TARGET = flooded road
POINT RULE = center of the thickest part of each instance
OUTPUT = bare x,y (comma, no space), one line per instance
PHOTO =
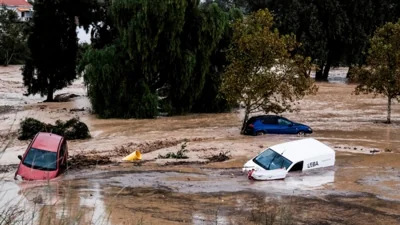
154,194
362,188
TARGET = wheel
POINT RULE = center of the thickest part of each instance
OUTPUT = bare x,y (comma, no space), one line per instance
301,133
260,132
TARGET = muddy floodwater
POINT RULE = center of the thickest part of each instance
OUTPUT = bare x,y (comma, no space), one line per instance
362,188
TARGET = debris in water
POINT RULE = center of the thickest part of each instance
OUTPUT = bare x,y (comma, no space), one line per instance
136,155
221,157
80,161
388,150
374,151
77,110
64,97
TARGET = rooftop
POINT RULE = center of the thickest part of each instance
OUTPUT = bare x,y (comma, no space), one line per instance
299,150
15,3
47,141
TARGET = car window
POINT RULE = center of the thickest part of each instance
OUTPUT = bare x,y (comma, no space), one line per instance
62,150
40,159
283,122
271,160
251,120
279,162
269,120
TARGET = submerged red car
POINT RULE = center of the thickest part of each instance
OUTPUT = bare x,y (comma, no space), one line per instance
44,159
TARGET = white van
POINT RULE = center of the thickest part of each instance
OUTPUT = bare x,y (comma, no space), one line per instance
276,161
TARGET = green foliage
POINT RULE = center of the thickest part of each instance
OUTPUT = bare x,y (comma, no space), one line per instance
211,99
264,75
180,154
381,75
71,129
53,45
333,32
203,29
103,30
158,58
13,47
82,49
149,31
112,88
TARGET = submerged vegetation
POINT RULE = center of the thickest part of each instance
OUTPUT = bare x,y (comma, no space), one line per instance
71,129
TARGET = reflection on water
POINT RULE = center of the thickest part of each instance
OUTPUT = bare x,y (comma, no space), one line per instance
94,200
53,202
199,218
105,197
64,200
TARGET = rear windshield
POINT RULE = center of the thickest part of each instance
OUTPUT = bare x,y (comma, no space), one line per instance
270,160
41,159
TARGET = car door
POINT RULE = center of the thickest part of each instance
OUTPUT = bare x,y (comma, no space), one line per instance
286,126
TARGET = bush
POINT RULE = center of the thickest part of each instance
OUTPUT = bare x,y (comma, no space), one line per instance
71,129
180,154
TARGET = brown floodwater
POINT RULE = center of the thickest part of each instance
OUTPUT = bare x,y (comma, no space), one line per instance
362,188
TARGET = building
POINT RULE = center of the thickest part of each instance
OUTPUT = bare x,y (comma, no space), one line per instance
22,7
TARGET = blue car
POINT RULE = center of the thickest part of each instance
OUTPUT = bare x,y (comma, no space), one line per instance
271,124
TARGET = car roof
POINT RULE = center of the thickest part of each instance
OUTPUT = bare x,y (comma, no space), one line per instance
300,150
47,141
265,116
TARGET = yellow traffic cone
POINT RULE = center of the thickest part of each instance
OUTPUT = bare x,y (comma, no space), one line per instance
136,155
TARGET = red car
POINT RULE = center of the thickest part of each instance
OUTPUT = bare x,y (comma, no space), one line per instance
44,159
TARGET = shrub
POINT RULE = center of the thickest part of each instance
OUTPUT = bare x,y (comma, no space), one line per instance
71,129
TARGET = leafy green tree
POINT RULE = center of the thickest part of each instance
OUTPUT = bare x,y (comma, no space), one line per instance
334,32
169,44
149,31
264,75
53,45
12,37
381,75
211,99
112,88
203,29
103,30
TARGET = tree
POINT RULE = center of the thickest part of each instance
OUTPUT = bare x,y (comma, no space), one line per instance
53,45
334,32
169,44
202,31
211,100
381,75
112,88
103,30
12,37
263,74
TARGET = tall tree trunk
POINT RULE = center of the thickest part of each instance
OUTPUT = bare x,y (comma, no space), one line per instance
349,73
246,117
327,69
50,93
6,59
389,110
319,72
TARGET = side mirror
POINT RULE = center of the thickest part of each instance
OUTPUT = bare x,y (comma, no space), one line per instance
20,157
291,125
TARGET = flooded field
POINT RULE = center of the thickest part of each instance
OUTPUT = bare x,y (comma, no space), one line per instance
362,188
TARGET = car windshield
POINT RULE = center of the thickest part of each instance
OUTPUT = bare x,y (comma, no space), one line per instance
270,160
41,159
